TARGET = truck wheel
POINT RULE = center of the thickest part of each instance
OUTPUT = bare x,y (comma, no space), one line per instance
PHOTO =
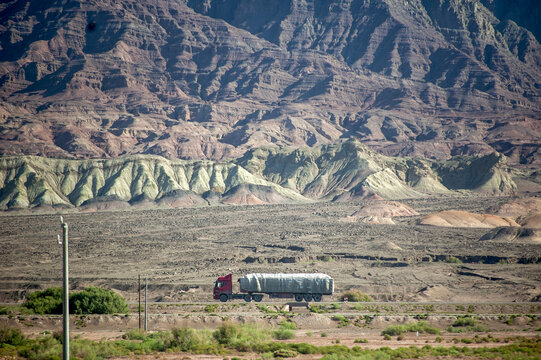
258,298
298,297
223,298
307,297
317,297
247,297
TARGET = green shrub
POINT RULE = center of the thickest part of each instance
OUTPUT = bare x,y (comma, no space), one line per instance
342,320
4,310
356,296
475,328
211,308
361,341
464,321
318,309
48,301
421,326
185,339
284,353
454,260
135,334
304,348
226,334
94,300
11,336
243,338
44,348
288,325
387,337
283,334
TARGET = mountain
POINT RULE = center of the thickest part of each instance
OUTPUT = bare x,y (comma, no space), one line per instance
262,176
213,79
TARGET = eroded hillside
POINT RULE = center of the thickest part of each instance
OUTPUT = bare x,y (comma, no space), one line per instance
262,176
214,79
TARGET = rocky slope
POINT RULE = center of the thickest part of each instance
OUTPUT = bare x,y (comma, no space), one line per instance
262,176
212,79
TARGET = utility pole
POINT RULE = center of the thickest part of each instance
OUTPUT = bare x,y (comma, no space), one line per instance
65,305
139,308
146,304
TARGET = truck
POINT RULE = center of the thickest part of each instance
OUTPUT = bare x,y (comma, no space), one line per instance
305,287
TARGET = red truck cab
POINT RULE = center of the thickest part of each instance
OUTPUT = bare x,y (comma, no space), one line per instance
224,285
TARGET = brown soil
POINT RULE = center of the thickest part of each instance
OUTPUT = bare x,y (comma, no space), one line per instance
183,251
532,221
457,218
518,207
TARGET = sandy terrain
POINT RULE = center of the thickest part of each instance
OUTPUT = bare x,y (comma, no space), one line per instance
183,251
415,271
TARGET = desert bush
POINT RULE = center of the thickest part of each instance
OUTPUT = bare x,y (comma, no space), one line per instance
11,336
44,348
356,296
203,342
475,328
48,301
288,325
242,338
421,326
342,320
211,308
94,300
226,334
466,324
304,348
318,309
284,353
283,334
134,334
361,341
464,321
185,339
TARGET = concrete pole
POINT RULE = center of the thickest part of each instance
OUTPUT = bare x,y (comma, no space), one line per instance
146,304
139,309
66,311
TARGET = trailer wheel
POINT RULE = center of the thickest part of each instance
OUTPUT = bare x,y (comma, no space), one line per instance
317,297
307,297
258,297
298,297
223,298
247,297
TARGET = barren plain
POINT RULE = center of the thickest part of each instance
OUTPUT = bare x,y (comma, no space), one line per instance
414,272
182,251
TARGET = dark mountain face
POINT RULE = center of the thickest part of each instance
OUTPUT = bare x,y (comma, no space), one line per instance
212,79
